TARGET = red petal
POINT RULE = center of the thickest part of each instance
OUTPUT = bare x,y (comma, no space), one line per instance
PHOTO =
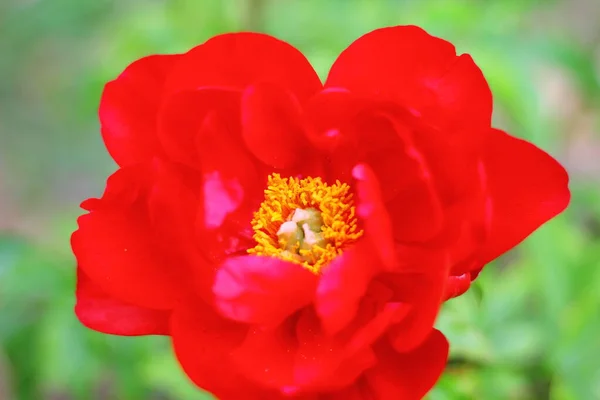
324,362
181,117
420,71
420,318
352,130
408,376
464,98
401,169
298,366
452,160
330,122
416,210
376,326
387,58
373,133
173,202
132,243
262,290
329,112
342,285
370,209
220,148
457,285
236,60
352,369
100,312
266,356
527,186
471,222
448,93
232,192
309,362
421,259
271,126
203,342
116,251
122,189
419,284
125,186
354,392
128,109
224,217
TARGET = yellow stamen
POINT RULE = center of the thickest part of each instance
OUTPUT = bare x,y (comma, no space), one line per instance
305,221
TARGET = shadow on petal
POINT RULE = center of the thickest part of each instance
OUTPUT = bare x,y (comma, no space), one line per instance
408,376
100,312
262,290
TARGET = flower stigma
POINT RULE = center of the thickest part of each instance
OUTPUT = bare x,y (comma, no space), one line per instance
305,221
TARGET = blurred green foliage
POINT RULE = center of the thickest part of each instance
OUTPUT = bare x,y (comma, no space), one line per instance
530,327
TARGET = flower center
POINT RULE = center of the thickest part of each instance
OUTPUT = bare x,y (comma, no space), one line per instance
305,221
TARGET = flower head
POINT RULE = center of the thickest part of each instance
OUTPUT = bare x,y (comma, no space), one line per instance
296,239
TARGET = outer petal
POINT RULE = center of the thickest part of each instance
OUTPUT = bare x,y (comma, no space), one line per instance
182,115
354,392
325,362
342,285
102,313
453,162
415,324
308,361
118,254
457,285
172,202
420,71
464,99
128,109
527,187
419,284
203,342
236,60
470,221
262,290
118,246
386,58
266,356
408,376
271,126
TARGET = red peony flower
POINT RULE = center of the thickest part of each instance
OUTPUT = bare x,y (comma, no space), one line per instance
297,239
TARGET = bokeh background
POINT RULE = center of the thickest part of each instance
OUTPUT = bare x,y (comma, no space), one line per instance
529,329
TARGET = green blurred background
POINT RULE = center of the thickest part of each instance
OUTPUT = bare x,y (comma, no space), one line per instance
529,329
